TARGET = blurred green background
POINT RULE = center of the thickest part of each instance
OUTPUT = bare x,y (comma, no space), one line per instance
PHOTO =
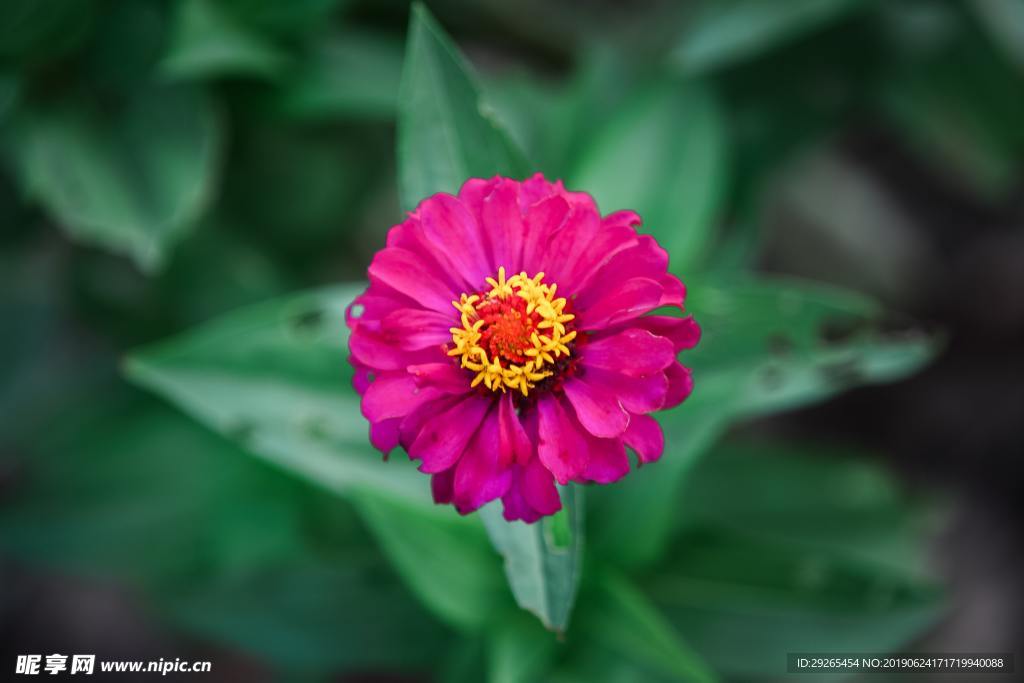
839,183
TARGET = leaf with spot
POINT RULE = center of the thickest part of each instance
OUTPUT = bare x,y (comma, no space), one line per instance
446,132
767,346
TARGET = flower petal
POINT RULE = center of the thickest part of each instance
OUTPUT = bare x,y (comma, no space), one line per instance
597,409
384,434
680,384
442,486
445,376
411,275
639,394
628,300
412,329
644,436
480,477
684,333
447,223
543,219
443,438
394,395
632,351
560,446
503,225
513,443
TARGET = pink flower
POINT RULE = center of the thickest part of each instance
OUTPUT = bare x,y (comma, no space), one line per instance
504,343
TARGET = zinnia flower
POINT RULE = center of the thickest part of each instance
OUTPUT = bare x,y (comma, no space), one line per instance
504,343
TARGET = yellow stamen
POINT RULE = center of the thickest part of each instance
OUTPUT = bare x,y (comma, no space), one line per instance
532,343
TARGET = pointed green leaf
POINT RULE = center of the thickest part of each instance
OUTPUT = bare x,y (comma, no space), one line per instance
446,132
663,156
132,180
542,560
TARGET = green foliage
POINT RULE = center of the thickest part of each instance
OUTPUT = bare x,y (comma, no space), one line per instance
132,181
542,561
447,133
242,150
731,30
678,187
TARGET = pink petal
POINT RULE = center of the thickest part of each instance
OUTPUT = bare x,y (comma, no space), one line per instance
538,488
596,409
673,291
503,225
576,235
384,434
632,351
531,494
480,477
542,221
684,333
394,395
630,299
442,486
514,444
448,224
442,440
444,376
560,446
411,275
412,329
644,259
373,350
640,394
645,437
606,459
680,384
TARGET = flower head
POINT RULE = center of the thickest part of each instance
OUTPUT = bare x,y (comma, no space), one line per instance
505,342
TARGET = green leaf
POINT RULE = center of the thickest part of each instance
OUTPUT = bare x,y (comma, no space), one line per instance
728,588
307,615
273,378
664,156
208,42
133,180
521,651
824,498
620,618
728,31
961,110
444,558
446,132
767,346
354,74
261,562
542,560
